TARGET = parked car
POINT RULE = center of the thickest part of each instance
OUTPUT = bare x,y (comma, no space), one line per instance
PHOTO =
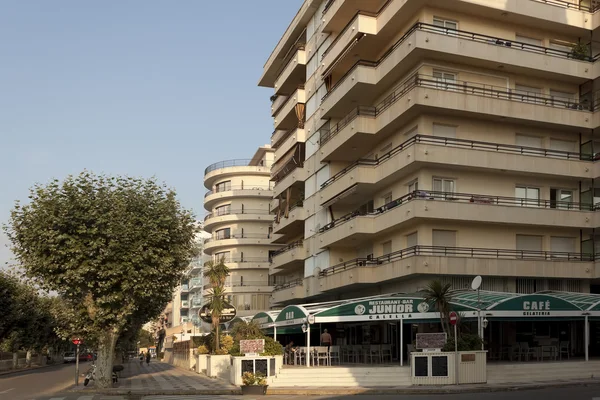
69,357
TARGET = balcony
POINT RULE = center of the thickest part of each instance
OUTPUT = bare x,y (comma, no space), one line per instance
279,136
422,93
211,220
338,13
242,287
289,292
185,304
290,224
365,176
195,283
241,263
239,239
286,116
296,137
223,169
230,192
197,302
289,258
293,72
367,79
184,288
434,261
352,228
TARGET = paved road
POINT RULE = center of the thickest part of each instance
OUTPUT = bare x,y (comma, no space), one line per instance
38,383
573,393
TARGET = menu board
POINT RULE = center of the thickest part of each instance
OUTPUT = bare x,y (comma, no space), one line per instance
439,366
421,365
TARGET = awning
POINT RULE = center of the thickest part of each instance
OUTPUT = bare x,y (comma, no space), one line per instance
265,319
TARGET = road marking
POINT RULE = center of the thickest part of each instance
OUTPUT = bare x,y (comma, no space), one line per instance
6,391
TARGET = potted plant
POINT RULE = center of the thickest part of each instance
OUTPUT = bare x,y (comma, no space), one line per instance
254,384
580,51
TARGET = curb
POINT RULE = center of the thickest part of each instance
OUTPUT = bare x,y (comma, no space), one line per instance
345,391
15,371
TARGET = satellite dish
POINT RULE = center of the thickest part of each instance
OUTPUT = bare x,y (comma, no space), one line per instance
476,282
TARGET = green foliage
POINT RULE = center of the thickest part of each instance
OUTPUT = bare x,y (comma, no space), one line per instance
216,274
250,379
440,295
145,338
226,343
272,348
580,51
250,330
466,342
113,247
202,349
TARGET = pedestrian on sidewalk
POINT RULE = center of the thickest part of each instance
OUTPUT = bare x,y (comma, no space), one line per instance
148,356
141,358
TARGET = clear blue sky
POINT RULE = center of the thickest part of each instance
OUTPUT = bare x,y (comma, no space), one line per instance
138,87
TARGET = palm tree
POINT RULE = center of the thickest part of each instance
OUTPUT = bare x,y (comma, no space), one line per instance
440,295
216,274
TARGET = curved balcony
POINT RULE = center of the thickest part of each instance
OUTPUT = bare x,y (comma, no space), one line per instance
362,125
230,192
242,287
240,263
366,176
436,260
354,227
214,243
214,219
223,169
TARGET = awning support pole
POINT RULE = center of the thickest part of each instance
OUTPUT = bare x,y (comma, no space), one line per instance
275,333
308,345
587,339
401,344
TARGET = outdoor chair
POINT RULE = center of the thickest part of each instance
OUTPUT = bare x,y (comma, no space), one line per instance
386,352
334,354
374,353
409,350
351,354
300,357
514,352
564,349
527,352
322,354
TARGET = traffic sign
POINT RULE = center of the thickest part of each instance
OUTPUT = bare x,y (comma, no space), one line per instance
453,318
77,341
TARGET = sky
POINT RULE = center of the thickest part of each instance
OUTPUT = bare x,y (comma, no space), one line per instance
132,87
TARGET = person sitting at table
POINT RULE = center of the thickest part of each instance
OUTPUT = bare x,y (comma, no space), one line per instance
290,350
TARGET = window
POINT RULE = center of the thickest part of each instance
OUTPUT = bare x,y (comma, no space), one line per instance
529,243
562,245
563,145
447,131
445,25
223,210
311,105
442,238
387,198
561,198
528,94
443,186
412,239
527,196
413,186
223,186
559,98
528,40
225,255
444,80
223,234
387,247
528,141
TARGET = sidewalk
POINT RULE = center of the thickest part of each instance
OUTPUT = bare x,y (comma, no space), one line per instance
162,378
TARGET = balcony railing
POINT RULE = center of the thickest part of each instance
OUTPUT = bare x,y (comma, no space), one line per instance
466,35
571,5
195,282
466,87
236,211
185,303
467,252
239,284
283,136
239,236
460,143
471,198
185,287
287,285
242,187
244,260
291,246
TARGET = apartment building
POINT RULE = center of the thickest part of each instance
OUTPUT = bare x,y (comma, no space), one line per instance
421,139
239,221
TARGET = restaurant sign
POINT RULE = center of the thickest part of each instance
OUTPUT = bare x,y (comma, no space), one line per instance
227,314
378,309
535,305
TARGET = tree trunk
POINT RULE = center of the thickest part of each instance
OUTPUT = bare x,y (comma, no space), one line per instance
15,363
104,364
216,325
28,359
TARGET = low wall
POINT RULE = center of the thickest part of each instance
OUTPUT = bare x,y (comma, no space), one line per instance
201,361
182,360
438,368
239,365
7,365
218,366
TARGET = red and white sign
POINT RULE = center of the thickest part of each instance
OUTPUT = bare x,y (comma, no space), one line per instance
453,318
77,341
